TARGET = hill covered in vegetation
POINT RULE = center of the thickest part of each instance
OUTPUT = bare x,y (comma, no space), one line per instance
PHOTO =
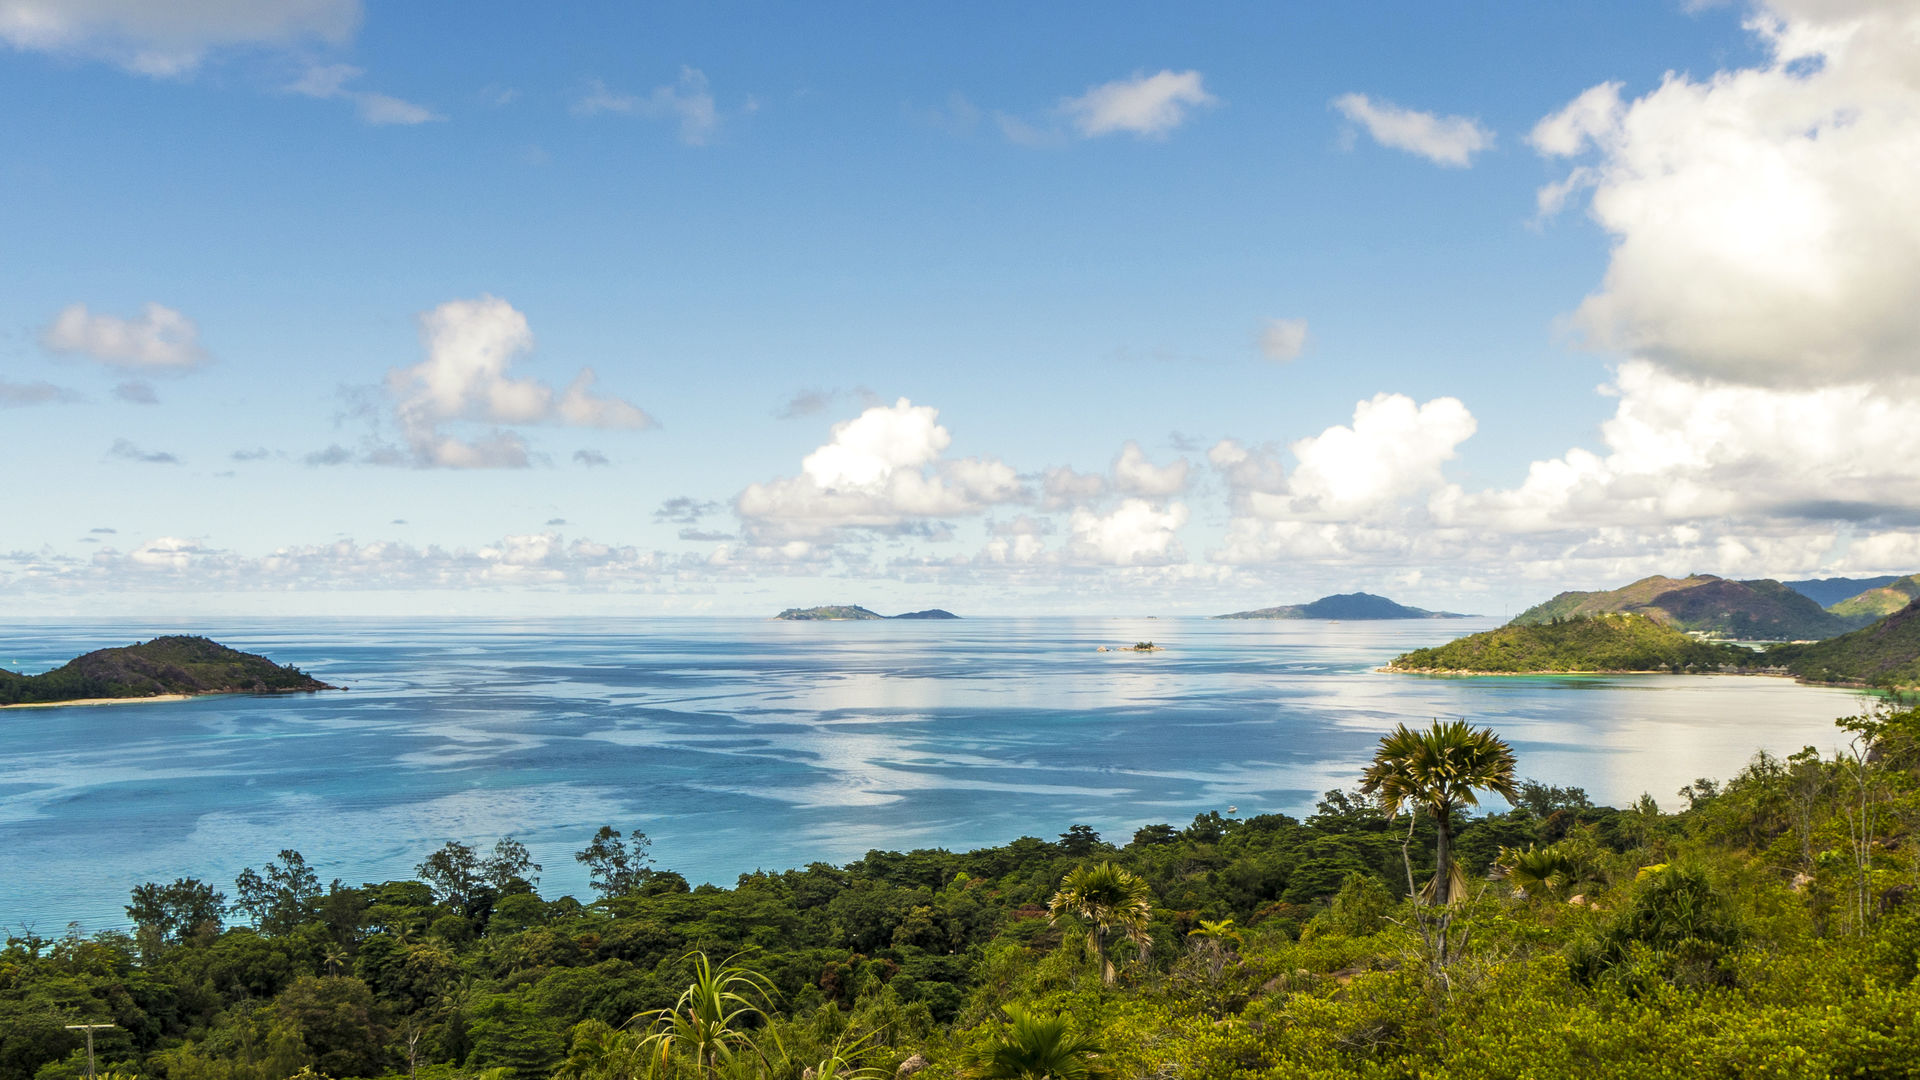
1762,610
1881,600
1886,654
854,613
1759,931
1580,644
1354,606
1829,591
163,666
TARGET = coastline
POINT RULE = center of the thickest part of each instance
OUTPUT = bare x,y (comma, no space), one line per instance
1457,673
101,701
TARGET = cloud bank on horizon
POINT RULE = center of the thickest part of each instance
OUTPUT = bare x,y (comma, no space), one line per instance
1756,308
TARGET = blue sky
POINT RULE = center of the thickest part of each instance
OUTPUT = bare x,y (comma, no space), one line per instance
780,237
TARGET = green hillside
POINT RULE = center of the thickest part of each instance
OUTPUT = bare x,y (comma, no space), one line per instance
165,665
1886,654
1829,591
1878,603
1597,643
829,613
1761,610
1357,606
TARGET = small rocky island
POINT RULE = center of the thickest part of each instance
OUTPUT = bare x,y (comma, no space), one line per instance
166,667
1354,606
854,613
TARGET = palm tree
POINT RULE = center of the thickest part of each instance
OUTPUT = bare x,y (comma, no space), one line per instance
1038,1048
1114,900
1438,770
710,1018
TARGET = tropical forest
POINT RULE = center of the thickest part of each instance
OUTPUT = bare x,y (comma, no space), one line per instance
1443,916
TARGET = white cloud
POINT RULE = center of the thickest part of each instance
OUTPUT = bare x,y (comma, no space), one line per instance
1135,475
1766,222
1444,140
1063,487
1247,470
1587,118
127,451
170,37
1687,451
1146,105
690,101
330,82
165,563
158,339
878,470
470,344
1137,533
1393,450
17,395
1284,339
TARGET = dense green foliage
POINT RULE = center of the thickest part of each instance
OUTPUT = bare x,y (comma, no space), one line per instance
165,665
1766,929
1878,603
850,612
1886,654
1762,610
1830,591
1583,644
832,611
1357,605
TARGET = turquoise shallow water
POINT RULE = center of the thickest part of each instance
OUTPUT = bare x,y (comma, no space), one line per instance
742,744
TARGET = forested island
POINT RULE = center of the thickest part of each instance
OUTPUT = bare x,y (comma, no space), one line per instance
1604,643
1354,606
1760,610
1673,625
170,666
1765,928
855,613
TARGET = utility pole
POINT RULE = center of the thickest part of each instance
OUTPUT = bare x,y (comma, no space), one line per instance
89,1029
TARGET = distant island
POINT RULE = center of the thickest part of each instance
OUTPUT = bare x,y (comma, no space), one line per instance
854,613
166,667
1606,643
1761,610
1355,606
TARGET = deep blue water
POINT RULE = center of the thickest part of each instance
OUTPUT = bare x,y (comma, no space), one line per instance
743,744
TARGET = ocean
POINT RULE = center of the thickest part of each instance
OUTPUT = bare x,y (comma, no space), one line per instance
741,744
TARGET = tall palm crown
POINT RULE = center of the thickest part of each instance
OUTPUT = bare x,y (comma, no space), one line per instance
1438,770
1114,900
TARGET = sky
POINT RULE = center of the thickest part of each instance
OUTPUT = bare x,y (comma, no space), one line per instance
377,308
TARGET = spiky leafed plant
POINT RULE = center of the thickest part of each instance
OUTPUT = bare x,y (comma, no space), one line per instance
1113,900
1538,872
1439,770
710,1019
1222,931
1038,1048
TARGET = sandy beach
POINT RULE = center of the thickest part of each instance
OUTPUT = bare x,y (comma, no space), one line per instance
99,701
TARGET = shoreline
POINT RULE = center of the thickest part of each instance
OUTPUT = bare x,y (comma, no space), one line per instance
1468,673
102,701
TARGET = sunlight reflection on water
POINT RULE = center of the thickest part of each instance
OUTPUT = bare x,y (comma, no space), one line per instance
743,744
